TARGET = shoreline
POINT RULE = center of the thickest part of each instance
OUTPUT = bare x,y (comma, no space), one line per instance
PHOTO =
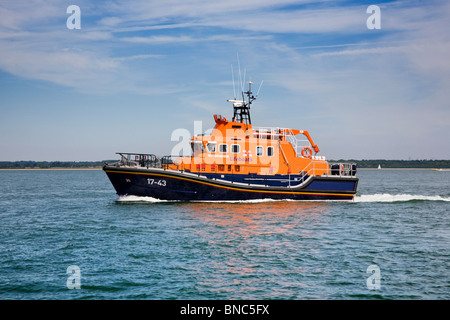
100,168
49,169
398,169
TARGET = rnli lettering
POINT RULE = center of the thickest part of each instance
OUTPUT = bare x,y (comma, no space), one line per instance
161,183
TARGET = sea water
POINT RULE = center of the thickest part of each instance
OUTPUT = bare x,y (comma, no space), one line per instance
65,234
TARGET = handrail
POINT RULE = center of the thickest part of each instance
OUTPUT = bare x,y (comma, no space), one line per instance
147,160
307,171
334,169
342,169
290,135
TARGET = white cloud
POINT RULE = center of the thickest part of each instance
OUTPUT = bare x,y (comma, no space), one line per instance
363,51
16,15
158,39
194,9
348,20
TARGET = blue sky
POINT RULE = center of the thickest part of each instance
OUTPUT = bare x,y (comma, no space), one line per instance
138,70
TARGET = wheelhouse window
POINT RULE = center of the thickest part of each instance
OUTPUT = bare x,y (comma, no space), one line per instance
259,151
270,151
197,147
235,148
211,146
223,148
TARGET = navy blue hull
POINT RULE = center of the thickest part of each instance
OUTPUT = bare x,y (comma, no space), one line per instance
178,186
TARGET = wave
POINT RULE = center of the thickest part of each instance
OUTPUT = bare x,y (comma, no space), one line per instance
144,199
386,197
131,198
138,199
378,197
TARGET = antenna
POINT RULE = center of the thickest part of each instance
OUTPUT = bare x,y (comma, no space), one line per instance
232,77
257,94
242,107
243,82
240,77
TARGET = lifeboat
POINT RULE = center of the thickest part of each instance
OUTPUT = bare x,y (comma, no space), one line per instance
235,162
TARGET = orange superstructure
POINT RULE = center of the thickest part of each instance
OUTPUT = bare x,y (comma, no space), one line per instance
236,147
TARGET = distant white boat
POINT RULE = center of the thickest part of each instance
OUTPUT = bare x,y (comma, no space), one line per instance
441,169
379,166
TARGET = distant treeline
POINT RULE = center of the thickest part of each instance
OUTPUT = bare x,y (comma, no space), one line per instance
420,164
97,164
49,164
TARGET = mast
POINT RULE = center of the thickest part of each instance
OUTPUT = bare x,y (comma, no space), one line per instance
241,108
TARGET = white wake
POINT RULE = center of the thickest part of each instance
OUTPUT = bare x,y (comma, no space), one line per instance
386,197
138,199
378,197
